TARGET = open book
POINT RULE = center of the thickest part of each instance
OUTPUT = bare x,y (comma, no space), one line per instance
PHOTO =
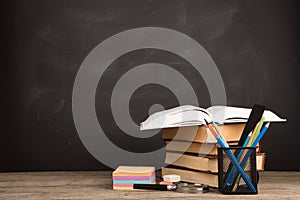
188,115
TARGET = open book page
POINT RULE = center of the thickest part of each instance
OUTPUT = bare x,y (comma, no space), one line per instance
228,114
191,116
176,117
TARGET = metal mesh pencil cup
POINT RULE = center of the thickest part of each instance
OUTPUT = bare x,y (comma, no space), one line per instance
229,178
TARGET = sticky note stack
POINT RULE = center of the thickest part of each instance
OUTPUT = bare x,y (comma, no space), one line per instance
125,176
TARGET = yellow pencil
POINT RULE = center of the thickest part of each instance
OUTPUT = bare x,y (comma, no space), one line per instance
254,135
260,124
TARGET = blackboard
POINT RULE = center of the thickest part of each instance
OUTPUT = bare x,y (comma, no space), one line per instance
254,44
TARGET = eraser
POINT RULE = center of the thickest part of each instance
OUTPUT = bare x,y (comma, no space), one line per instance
171,178
166,183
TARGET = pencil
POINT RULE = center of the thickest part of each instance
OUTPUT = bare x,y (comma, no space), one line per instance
231,156
241,155
252,136
260,124
256,141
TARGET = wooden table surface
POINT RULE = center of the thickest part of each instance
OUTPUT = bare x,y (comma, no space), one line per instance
98,185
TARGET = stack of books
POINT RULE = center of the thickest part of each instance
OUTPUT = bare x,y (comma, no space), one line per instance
125,176
191,150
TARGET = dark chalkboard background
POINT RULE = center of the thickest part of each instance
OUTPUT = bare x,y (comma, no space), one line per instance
255,45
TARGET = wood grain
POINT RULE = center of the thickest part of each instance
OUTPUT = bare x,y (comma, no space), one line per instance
98,185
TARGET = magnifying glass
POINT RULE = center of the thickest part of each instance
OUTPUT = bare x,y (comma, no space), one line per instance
192,188
179,187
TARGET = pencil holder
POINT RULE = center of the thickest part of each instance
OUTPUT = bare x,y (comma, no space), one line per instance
230,179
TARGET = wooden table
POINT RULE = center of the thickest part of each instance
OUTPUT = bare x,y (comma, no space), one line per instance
98,185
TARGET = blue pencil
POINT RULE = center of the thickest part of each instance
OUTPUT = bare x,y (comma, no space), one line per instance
229,177
247,139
